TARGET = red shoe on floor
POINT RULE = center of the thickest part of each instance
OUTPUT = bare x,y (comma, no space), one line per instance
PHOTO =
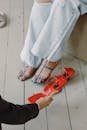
55,86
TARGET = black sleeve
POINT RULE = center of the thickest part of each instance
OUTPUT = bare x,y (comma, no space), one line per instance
17,114
0,127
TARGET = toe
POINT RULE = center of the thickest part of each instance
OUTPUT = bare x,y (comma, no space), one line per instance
22,78
21,73
39,79
34,79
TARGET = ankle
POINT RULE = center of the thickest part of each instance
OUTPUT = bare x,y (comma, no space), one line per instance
51,64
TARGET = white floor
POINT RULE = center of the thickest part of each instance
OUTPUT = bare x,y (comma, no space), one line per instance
69,109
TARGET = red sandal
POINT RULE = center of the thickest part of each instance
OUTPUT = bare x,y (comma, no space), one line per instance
55,86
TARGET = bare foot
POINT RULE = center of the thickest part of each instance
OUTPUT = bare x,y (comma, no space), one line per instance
44,71
26,73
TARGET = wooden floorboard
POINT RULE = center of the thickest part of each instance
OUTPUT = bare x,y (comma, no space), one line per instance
4,7
76,96
14,90
40,123
57,112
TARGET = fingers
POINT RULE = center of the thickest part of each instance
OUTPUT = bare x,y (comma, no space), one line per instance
49,99
44,102
53,93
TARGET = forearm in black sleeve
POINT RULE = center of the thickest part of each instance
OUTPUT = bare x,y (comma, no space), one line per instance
17,114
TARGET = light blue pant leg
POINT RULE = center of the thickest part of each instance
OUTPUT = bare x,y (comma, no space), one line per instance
39,15
57,29
68,27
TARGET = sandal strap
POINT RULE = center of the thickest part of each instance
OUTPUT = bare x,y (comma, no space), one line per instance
51,65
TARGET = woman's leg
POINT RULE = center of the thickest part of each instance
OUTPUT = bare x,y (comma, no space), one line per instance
39,15
55,33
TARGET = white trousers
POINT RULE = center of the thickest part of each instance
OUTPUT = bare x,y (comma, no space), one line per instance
50,26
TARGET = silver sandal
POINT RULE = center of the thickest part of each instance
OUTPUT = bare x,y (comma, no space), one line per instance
3,19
